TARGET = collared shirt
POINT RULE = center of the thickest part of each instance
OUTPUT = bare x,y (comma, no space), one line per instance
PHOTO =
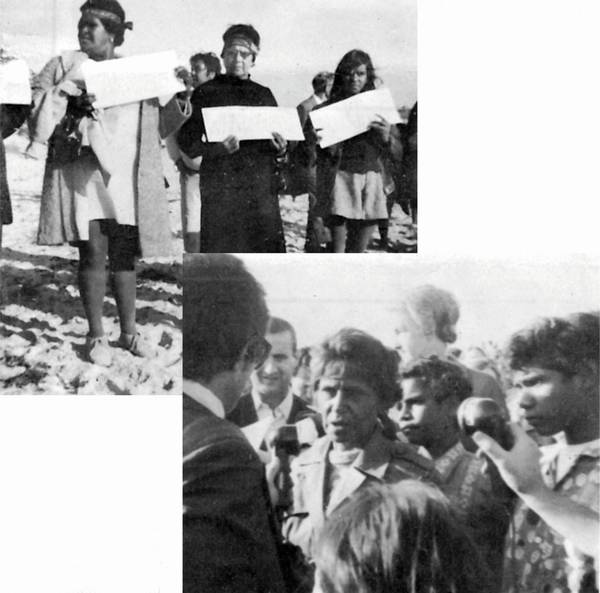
567,455
204,396
537,557
281,412
462,478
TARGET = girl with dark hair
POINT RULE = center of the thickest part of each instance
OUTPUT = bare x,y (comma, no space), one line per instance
103,186
351,177
400,538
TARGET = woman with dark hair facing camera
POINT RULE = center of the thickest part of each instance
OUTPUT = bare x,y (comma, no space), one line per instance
352,183
103,185
354,376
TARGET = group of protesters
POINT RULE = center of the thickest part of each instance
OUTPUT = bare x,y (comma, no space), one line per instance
104,190
360,475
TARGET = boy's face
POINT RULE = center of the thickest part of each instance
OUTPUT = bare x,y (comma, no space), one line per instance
552,401
421,418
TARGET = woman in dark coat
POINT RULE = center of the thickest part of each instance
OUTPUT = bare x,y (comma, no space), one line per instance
240,208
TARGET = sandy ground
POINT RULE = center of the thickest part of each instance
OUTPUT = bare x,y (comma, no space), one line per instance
42,325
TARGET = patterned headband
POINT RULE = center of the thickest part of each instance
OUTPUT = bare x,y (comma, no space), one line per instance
244,42
110,16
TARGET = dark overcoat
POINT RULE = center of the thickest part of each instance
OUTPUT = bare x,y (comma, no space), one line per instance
240,207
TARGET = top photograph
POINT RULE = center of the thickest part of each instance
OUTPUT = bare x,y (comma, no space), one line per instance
262,127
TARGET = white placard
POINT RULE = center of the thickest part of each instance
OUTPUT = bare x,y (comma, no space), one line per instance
126,80
251,123
351,117
14,82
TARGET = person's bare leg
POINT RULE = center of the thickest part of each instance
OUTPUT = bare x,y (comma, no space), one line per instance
122,255
124,287
339,235
92,277
362,238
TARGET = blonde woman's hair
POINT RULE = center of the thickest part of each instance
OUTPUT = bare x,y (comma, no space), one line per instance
436,310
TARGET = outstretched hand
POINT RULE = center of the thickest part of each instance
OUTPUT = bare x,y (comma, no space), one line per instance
519,467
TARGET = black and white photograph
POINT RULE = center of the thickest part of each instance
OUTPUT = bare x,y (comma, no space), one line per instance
360,392
105,188
359,366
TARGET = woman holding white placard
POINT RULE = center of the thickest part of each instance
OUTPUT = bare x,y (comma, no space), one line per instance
238,178
103,186
352,177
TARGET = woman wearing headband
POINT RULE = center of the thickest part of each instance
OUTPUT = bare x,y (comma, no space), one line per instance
103,186
240,208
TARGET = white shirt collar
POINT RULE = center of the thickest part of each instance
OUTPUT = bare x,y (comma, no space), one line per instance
282,410
204,396
318,99
565,456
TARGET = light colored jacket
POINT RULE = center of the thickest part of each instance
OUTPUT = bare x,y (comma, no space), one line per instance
382,460
57,216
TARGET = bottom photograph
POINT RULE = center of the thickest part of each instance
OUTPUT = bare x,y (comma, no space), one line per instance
390,424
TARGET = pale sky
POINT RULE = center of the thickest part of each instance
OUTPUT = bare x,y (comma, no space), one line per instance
298,38
319,296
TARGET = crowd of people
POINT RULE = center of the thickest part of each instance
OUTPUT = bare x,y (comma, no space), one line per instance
357,476
104,192
230,189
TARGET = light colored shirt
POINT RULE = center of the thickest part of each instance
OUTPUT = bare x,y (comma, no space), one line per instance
281,412
567,455
204,396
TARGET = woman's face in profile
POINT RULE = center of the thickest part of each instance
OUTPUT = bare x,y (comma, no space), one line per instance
355,80
411,340
94,39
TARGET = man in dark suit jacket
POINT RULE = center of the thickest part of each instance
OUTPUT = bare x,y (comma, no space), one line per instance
229,533
271,395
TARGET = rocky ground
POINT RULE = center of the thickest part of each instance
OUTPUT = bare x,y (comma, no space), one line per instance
42,325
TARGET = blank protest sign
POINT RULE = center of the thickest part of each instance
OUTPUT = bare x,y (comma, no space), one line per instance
351,117
127,80
251,123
